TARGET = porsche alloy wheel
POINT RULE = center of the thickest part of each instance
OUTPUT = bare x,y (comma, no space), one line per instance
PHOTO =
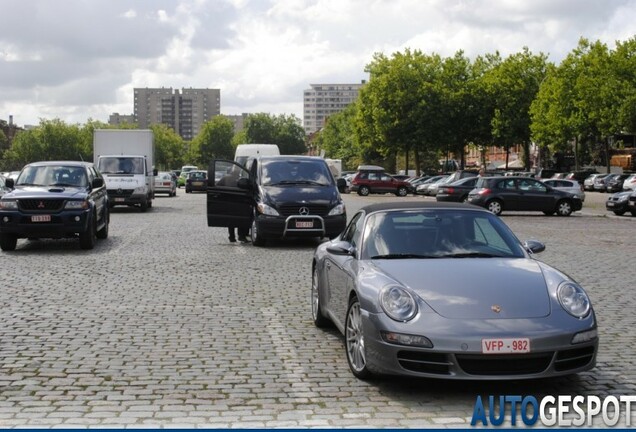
354,341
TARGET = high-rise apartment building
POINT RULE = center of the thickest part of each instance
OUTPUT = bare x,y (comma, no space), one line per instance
323,100
184,111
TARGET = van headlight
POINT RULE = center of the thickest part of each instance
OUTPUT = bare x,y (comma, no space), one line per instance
266,210
337,210
139,190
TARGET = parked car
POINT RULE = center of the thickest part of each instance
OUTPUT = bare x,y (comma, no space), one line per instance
544,173
580,175
599,182
631,203
456,191
499,194
278,197
615,184
165,183
618,203
422,188
446,290
630,182
181,181
431,190
572,186
372,179
588,183
197,181
55,200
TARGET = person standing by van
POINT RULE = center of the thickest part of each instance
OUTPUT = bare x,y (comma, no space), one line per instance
231,179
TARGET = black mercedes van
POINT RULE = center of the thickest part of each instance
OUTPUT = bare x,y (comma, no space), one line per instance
276,197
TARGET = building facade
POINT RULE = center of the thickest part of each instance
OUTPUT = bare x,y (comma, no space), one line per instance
116,119
323,100
184,111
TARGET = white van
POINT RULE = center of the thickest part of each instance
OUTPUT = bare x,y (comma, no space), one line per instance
245,151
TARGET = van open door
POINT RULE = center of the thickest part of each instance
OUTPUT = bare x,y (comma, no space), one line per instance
229,195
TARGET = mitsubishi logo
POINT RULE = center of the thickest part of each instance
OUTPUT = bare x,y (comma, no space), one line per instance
303,211
41,205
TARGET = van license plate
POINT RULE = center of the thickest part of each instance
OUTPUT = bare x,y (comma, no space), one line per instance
304,224
41,218
120,199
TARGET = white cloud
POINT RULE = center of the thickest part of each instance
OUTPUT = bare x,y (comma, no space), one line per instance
85,59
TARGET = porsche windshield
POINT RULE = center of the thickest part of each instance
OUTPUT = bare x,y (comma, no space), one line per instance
438,234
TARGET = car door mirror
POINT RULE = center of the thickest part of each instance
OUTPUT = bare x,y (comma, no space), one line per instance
97,183
9,183
243,183
534,246
342,248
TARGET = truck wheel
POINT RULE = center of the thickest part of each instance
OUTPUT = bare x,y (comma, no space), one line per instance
103,233
88,238
144,206
8,242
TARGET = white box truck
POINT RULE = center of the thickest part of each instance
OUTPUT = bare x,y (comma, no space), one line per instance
125,157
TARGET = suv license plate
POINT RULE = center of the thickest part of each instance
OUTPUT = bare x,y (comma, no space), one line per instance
120,199
304,224
41,218
505,346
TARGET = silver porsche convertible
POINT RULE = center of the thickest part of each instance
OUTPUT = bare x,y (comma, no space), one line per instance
446,290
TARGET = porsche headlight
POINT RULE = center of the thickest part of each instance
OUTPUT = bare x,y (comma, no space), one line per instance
337,210
573,299
623,198
266,210
398,303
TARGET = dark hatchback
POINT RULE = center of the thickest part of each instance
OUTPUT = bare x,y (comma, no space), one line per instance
276,197
197,181
457,191
499,194
55,200
619,203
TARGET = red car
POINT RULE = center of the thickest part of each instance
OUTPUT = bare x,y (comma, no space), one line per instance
373,179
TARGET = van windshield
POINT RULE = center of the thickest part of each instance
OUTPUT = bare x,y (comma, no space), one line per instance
281,172
121,165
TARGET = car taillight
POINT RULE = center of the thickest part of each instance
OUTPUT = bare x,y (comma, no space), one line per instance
449,190
484,191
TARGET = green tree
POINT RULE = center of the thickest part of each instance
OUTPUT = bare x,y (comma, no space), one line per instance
169,147
290,135
338,139
514,84
215,140
50,140
399,107
260,129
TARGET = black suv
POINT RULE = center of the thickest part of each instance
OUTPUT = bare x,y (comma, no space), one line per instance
499,194
55,200
275,196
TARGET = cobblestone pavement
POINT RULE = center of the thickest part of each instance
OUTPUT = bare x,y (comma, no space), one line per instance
168,324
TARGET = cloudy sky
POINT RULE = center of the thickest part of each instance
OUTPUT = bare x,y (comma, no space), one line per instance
81,59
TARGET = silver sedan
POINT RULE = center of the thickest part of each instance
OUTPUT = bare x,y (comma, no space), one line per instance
446,290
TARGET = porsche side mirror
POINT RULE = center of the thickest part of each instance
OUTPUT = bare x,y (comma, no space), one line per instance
342,248
534,246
